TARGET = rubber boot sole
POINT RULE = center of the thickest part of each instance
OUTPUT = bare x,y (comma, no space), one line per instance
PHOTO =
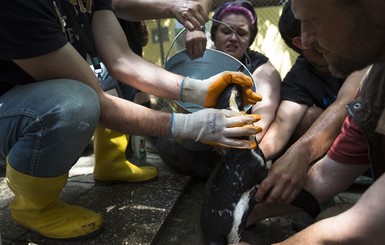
72,239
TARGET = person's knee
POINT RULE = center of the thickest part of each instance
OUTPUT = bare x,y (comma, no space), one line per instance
76,111
58,121
79,104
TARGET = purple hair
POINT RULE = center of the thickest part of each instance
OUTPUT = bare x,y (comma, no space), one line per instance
242,7
239,10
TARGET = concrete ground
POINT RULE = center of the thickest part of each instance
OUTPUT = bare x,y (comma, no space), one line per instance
163,212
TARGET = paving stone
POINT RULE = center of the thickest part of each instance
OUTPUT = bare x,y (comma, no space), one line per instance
133,213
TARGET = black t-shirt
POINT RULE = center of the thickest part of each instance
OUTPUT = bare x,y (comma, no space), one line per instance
34,28
303,86
256,60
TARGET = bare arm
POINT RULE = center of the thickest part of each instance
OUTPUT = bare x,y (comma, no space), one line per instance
361,224
288,116
191,14
326,178
126,116
126,66
268,85
320,136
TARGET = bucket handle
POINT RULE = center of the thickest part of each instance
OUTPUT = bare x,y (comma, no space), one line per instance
248,60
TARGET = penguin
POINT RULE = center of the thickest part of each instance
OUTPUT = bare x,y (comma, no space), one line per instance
230,190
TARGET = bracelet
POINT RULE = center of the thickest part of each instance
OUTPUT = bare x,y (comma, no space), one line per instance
171,126
181,88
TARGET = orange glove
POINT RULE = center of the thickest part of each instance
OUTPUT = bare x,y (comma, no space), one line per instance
206,92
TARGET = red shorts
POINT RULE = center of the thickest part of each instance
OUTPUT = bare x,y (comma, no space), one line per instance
350,146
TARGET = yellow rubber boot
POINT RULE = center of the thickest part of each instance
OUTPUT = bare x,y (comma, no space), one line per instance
111,164
36,206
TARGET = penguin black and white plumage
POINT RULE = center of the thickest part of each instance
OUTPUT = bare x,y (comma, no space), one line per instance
231,188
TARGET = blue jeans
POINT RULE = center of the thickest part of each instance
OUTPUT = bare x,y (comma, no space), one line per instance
45,126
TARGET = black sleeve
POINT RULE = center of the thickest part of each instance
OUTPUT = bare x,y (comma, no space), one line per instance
103,5
293,90
30,29
297,82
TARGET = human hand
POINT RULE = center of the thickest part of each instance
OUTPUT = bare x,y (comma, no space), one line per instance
195,44
189,13
285,180
206,92
216,127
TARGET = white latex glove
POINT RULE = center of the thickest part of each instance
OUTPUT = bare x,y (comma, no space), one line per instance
216,127
206,92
